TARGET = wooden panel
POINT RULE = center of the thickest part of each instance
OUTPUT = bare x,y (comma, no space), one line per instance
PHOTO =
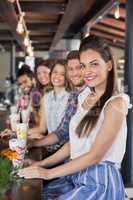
42,7
56,1
114,23
109,30
72,13
39,39
107,36
36,18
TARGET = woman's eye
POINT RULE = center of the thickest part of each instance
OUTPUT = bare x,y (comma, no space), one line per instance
94,64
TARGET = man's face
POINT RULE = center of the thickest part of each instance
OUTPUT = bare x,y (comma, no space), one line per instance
25,83
74,73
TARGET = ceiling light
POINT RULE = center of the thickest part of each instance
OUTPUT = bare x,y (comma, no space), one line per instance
117,12
20,26
26,39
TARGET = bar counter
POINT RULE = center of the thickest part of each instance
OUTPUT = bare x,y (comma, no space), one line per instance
27,189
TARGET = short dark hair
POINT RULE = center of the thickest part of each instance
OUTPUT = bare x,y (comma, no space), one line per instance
25,70
73,55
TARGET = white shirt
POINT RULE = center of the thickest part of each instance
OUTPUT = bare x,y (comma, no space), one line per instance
55,107
80,146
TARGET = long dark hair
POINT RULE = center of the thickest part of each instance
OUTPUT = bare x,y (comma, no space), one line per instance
99,45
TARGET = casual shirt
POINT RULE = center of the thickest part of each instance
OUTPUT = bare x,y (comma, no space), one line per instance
62,130
55,107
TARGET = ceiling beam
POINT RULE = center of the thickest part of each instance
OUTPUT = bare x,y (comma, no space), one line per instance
108,36
109,30
43,7
40,39
114,23
101,13
57,1
74,10
42,46
4,33
4,26
41,27
8,14
4,38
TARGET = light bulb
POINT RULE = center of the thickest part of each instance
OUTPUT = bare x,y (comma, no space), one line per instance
20,28
31,53
26,40
117,12
29,48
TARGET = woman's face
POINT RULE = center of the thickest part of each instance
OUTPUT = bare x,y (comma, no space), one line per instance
58,76
95,69
43,75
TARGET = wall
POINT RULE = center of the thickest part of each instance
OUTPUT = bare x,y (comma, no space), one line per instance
4,68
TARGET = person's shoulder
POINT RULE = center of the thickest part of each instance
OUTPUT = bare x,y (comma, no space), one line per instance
48,95
119,102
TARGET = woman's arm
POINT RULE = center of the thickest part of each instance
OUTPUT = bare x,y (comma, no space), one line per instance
113,119
58,157
45,141
36,170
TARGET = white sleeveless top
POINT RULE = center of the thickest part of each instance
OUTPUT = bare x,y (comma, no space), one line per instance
80,146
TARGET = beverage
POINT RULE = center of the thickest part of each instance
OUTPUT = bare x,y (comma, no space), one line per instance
22,131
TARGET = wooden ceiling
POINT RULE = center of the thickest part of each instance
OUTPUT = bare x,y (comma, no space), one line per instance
51,20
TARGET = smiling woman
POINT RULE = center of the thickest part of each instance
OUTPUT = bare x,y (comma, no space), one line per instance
52,108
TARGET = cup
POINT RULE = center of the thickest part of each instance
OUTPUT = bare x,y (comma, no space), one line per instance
13,143
17,163
14,120
22,131
19,146
25,115
13,109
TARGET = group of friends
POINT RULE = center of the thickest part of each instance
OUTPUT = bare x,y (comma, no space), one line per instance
83,120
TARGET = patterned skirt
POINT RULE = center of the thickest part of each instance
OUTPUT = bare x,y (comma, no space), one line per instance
98,182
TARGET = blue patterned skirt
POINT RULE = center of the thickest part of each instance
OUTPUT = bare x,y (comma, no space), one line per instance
98,182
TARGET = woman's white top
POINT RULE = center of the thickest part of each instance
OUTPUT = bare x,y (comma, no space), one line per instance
55,107
80,146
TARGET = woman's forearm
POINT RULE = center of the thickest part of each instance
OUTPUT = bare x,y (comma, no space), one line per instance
71,167
45,141
57,157
35,132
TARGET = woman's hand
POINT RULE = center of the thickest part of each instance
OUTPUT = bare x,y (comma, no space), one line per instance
32,135
34,172
6,133
28,162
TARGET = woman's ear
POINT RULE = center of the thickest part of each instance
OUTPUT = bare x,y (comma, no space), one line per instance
109,66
